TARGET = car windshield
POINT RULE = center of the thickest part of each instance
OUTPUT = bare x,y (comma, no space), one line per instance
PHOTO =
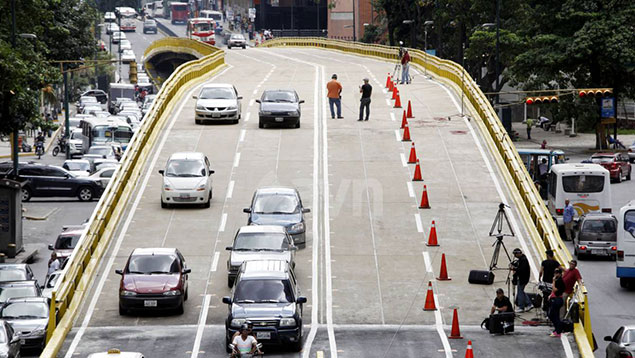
67,242
19,291
217,93
99,150
273,291
237,37
77,166
276,204
278,96
185,168
603,159
202,27
25,310
149,23
13,274
583,183
261,241
600,226
149,264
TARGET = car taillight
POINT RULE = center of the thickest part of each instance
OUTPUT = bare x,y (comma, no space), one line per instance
620,255
613,248
607,210
630,150
583,248
559,211
614,165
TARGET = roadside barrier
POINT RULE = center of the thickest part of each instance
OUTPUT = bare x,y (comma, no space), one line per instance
540,226
71,288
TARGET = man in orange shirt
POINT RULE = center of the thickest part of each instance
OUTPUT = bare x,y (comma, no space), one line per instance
334,94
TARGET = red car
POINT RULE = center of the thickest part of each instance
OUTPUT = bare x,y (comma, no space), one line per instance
616,163
153,279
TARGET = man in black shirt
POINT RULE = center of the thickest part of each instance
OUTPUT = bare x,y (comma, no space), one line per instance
502,303
366,90
521,279
547,267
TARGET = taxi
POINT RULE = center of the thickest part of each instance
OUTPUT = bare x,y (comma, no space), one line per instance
116,353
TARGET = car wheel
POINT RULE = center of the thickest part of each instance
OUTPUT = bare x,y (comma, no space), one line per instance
628,176
122,311
186,296
230,282
297,125
198,121
297,346
229,47
164,205
227,343
26,194
208,203
624,282
261,125
619,177
244,47
85,194
236,121
180,309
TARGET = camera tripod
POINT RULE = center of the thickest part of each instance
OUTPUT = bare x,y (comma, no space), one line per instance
499,220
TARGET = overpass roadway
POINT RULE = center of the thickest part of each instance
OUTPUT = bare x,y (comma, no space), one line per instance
365,268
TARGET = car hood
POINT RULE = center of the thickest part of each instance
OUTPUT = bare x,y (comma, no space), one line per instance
262,310
275,219
183,183
27,325
216,102
238,257
279,106
64,252
150,283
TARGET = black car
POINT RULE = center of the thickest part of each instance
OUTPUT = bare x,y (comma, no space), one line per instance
279,206
266,293
279,107
15,272
51,181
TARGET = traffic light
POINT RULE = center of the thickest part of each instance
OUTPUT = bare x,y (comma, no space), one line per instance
541,99
595,92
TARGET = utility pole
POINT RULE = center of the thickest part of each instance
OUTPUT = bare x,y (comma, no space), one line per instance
498,26
67,121
14,151
354,23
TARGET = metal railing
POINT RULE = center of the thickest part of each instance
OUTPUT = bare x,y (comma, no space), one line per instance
71,288
538,221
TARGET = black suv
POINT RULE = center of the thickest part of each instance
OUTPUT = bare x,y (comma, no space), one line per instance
50,181
266,293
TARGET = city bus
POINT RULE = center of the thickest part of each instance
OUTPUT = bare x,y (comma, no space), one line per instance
179,12
625,263
99,131
201,29
217,16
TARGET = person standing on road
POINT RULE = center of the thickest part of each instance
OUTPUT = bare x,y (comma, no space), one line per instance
405,67
334,89
570,277
567,218
521,279
530,123
366,90
54,264
547,267
556,302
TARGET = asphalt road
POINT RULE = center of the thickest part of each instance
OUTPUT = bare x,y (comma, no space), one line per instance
365,267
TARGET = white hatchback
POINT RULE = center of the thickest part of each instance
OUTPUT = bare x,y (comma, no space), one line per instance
187,179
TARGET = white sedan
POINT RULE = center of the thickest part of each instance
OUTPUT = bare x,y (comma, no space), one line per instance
187,179
128,56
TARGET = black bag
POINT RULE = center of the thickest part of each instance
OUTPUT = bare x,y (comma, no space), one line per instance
567,325
501,323
485,324
536,299
481,277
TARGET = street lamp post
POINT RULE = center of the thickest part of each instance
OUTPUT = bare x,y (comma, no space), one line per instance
425,44
412,31
498,25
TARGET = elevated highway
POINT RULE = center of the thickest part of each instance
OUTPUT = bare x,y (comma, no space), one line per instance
366,266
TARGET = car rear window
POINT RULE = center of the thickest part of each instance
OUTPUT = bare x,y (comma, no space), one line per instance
20,291
12,275
157,264
272,291
261,241
66,242
600,226
583,183
602,159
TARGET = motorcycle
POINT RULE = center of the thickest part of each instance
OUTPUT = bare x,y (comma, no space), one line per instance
236,354
60,147
39,149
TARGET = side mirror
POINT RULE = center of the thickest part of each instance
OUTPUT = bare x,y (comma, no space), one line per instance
239,97
161,171
228,248
67,176
608,338
195,97
105,156
258,101
301,101
227,300
51,247
301,299
187,270
306,210
212,171
247,210
15,339
119,272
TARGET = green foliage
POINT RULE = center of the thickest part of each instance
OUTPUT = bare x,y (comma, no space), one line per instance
371,34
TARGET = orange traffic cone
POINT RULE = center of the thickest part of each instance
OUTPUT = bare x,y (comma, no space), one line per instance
413,154
397,101
395,93
443,275
410,110
406,134
388,81
417,175
468,352
392,86
404,121
456,332
430,306
432,238
424,199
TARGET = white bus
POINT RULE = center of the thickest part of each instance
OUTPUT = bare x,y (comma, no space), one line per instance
626,245
99,131
587,186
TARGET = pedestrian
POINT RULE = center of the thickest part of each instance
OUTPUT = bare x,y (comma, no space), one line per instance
570,277
556,302
547,267
543,145
530,123
521,269
405,67
54,263
501,303
567,218
334,89
366,90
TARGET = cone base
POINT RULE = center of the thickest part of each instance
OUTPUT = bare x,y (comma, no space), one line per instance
406,140
426,207
429,245
397,107
417,179
430,309
455,337
410,162
444,279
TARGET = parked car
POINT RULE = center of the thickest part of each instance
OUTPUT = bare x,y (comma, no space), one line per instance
19,289
128,56
597,236
103,175
124,45
622,343
78,167
631,153
15,272
66,242
217,102
109,16
153,279
29,318
101,96
279,107
118,36
236,40
266,293
262,242
150,25
9,341
616,163
49,283
279,206
187,179
111,28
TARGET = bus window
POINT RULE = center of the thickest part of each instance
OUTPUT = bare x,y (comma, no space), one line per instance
583,183
629,222
123,135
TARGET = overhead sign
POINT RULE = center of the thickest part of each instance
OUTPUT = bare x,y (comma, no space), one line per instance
608,107
252,12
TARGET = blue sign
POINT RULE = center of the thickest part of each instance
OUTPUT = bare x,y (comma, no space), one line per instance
608,107
432,52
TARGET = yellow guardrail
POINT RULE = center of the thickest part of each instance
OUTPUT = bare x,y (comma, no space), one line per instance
72,286
538,221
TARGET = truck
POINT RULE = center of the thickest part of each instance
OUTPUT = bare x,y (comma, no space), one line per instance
128,25
179,12
201,29
119,90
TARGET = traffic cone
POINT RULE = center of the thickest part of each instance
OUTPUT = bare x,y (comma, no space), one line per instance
413,154
443,276
392,86
410,110
417,175
404,121
424,199
456,332
468,352
388,81
395,93
430,306
432,238
406,134
397,101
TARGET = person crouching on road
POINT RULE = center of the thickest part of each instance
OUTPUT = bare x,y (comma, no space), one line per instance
521,279
555,302
335,96
502,303
366,90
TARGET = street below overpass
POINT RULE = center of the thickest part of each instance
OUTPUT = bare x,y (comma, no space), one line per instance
365,268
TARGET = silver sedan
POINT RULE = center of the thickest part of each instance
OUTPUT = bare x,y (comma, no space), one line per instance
217,102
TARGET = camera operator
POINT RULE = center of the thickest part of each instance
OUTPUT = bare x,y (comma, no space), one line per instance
521,270
501,303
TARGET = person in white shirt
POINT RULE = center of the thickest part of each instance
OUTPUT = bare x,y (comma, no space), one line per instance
244,343
54,263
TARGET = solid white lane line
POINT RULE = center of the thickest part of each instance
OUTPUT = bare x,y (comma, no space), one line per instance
403,160
439,324
397,135
567,346
201,326
215,261
392,117
418,222
223,221
230,189
411,190
388,103
251,102
242,134
427,262
247,116
236,160
255,91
